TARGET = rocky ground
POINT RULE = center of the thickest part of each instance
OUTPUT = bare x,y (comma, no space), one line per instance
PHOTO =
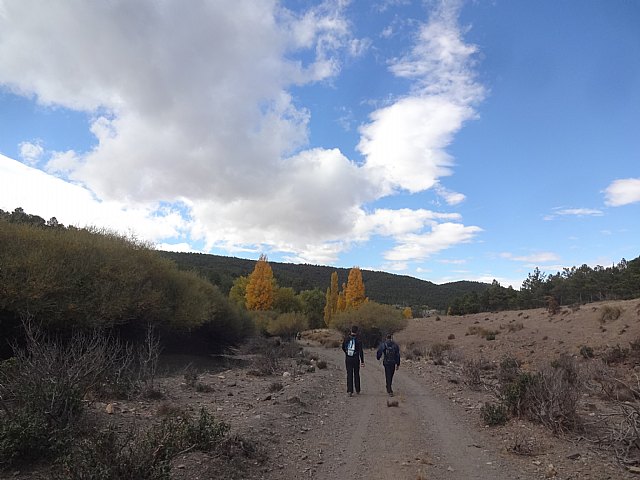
299,423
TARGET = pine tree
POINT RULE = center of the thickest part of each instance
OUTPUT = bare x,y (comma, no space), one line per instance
354,291
260,288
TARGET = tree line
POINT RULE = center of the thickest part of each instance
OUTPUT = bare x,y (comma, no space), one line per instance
575,285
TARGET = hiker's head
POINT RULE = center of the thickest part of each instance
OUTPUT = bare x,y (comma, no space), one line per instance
389,336
354,330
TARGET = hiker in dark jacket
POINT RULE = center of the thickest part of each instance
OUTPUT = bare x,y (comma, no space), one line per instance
390,351
354,359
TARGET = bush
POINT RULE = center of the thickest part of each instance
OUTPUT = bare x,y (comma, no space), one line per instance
515,393
44,386
610,313
373,319
586,351
508,370
471,371
549,397
142,455
321,365
286,325
493,414
615,354
482,332
437,352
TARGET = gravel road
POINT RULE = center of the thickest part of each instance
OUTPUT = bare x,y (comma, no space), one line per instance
420,438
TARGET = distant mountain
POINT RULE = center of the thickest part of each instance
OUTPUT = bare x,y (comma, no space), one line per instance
381,287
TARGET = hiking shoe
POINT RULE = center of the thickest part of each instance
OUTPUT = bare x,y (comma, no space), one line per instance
391,394
358,392
351,394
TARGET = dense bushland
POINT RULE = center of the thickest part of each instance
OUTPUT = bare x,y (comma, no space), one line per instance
68,278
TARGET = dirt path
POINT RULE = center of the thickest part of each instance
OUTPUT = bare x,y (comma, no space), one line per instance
421,438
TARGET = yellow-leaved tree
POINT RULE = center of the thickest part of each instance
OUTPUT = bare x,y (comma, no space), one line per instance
342,301
407,313
331,300
260,287
354,291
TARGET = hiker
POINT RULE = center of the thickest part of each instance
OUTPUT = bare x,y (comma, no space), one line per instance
354,359
390,352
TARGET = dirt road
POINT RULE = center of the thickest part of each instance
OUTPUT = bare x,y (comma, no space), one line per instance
421,438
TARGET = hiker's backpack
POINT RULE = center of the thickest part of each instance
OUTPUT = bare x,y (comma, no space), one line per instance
351,347
389,354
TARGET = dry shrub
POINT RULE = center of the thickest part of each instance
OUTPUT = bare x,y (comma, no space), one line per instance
549,397
438,351
622,431
482,332
514,327
610,313
508,370
522,445
44,387
471,371
275,387
143,455
615,354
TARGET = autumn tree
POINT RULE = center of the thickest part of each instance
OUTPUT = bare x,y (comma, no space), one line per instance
407,313
260,288
331,303
342,300
354,291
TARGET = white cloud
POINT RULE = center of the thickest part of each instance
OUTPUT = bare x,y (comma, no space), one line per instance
413,247
395,223
192,108
62,162
623,192
534,259
31,152
576,212
452,198
48,197
404,143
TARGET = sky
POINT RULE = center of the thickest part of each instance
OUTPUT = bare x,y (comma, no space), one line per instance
445,140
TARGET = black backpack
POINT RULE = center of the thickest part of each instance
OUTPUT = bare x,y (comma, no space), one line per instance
389,354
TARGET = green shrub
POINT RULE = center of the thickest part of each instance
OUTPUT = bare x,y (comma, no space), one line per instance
515,393
286,325
90,278
373,319
493,414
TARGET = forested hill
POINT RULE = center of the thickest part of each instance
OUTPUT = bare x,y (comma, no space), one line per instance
380,286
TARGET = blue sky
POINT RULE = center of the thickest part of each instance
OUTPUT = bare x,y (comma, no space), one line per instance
446,140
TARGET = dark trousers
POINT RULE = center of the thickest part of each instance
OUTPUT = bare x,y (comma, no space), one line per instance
389,370
353,373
